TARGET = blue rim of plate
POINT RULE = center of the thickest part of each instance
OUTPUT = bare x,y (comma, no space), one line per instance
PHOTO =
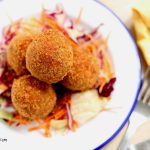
140,79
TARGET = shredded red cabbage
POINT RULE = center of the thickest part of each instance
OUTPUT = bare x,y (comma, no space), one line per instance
101,58
7,77
69,117
45,28
83,38
95,31
17,124
108,88
9,37
71,24
8,103
53,14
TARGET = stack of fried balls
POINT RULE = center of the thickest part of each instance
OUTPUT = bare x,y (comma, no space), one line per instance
42,60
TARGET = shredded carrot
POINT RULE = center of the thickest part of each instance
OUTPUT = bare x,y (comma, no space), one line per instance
107,67
53,24
110,109
10,122
46,20
60,113
74,125
34,129
24,122
19,119
47,119
47,130
27,29
92,46
78,19
102,83
37,120
69,102
42,125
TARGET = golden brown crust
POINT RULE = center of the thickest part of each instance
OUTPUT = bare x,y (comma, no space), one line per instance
49,58
32,98
16,53
84,73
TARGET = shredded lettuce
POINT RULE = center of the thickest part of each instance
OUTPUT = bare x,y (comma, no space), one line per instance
1,100
5,115
59,124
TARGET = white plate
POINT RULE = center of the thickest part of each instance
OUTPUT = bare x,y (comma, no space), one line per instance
102,129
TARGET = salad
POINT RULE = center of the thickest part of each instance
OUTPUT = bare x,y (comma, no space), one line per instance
73,107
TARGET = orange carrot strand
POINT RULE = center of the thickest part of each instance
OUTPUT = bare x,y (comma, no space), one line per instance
47,130
78,20
34,129
48,118
60,113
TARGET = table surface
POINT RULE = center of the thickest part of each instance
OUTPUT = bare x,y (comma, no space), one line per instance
122,8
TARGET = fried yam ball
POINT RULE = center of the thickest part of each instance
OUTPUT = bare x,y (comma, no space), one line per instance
50,57
16,53
84,73
32,98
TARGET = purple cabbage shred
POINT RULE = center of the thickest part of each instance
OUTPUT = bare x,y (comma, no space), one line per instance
108,88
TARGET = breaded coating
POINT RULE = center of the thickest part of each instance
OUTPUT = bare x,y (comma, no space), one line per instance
16,53
50,57
32,98
84,73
